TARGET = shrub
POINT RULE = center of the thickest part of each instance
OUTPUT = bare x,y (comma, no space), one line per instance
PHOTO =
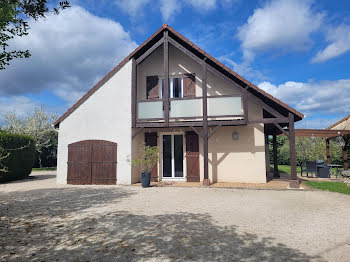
18,153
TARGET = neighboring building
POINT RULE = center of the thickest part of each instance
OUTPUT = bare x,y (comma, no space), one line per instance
210,123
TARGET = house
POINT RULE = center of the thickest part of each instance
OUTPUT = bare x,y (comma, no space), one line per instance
211,124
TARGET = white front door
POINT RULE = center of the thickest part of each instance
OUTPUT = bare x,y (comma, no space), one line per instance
172,157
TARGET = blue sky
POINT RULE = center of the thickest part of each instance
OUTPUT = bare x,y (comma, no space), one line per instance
297,50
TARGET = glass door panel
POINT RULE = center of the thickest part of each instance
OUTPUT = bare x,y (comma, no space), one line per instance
167,156
178,155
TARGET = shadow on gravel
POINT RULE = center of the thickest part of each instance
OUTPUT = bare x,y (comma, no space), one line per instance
44,230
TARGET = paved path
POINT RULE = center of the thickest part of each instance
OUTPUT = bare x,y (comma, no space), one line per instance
40,221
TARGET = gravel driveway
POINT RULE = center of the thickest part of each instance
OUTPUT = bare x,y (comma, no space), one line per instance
41,221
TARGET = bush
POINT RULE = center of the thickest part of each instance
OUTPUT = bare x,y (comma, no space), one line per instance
18,156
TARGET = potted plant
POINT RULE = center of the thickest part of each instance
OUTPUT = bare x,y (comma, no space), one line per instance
147,158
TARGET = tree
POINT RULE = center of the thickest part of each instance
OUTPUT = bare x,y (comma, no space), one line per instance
13,14
39,126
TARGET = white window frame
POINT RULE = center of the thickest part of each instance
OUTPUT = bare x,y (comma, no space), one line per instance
171,86
172,178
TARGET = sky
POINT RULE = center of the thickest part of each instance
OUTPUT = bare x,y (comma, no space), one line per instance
296,50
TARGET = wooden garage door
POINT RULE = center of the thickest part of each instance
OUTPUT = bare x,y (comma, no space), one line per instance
92,162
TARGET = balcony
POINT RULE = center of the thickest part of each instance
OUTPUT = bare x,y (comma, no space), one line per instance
226,107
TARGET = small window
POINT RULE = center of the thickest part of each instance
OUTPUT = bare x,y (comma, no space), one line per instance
175,87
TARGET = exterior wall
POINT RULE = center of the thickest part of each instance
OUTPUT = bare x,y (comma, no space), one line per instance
242,160
179,63
105,115
345,125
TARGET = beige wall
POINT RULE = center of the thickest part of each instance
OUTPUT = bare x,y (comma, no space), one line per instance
242,160
179,63
345,125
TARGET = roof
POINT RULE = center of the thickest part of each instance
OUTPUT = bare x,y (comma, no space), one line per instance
339,122
274,102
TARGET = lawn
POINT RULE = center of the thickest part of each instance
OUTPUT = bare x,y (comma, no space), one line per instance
330,186
284,168
44,169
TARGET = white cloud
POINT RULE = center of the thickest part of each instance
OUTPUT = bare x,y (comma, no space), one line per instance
169,8
68,52
132,7
279,25
203,4
339,39
21,104
317,123
323,97
244,69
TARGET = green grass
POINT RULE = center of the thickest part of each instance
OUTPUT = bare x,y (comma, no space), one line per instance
329,186
45,169
284,169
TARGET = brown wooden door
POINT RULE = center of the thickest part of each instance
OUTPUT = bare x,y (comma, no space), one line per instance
151,140
104,163
192,157
92,162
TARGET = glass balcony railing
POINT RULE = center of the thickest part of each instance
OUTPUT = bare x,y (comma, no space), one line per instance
191,108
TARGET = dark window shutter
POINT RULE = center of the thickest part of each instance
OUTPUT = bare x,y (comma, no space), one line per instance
192,157
189,88
152,87
151,140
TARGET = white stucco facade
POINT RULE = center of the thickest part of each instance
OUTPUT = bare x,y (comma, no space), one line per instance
105,115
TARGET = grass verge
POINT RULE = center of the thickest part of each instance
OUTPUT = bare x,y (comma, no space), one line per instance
329,186
44,169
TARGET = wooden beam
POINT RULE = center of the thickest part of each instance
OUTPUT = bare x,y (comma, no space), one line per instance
294,183
137,132
265,106
213,132
345,153
280,128
276,173
245,105
321,133
328,152
206,180
267,155
269,120
166,78
150,51
195,130
239,122
133,93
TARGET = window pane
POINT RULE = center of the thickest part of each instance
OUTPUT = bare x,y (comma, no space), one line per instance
177,87
167,156
178,155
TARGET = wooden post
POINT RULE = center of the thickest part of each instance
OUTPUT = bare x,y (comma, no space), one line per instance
166,79
206,180
294,183
267,156
276,174
328,153
245,105
345,153
133,93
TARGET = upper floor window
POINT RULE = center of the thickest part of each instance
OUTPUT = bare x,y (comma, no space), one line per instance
175,87
179,86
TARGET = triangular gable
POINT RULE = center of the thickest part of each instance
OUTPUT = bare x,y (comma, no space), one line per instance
141,49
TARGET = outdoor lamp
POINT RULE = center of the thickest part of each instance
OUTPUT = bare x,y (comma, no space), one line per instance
235,135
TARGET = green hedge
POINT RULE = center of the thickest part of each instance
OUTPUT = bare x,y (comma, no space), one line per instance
22,155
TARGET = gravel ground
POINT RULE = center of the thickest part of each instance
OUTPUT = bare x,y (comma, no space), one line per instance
41,221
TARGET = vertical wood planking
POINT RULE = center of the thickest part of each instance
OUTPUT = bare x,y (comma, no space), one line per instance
245,104
192,157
